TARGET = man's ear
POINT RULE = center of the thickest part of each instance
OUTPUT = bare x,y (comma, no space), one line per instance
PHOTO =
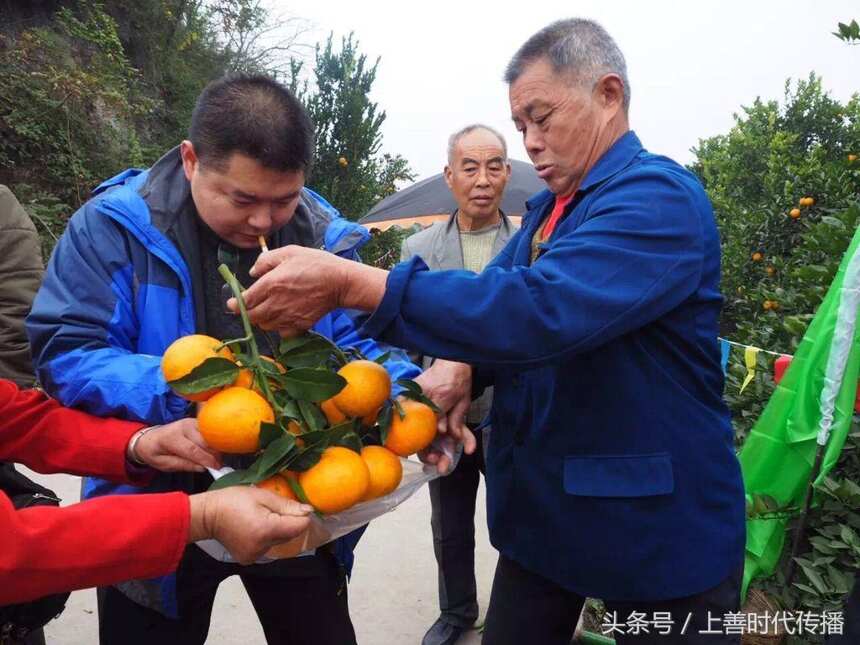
189,158
448,173
610,92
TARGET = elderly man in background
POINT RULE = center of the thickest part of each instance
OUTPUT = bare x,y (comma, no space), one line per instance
477,173
611,472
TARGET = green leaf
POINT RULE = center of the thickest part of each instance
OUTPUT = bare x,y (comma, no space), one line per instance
384,423
409,385
313,416
297,489
305,458
348,440
805,588
312,384
270,462
406,394
833,221
236,478
312,353
847,534
383,358
268,433
211,373
816,579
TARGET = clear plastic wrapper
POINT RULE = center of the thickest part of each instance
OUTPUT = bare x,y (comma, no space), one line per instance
330,527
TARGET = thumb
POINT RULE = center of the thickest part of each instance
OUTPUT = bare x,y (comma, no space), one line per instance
281,505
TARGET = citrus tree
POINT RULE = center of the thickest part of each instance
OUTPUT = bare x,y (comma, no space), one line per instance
784,182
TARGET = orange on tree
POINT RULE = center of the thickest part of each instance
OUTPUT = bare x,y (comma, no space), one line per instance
757,257
852,158
230,420
414,431
278,485
770,270
806,201
794,213
332,414
339,480
766,305
368,385
186,353
385,468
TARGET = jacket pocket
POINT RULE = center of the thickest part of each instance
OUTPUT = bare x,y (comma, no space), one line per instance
619,475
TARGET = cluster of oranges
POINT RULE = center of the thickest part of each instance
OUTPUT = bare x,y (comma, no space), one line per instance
230,418
803,202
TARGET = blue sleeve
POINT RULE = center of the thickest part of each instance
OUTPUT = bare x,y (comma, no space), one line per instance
341,327
83,328
637,257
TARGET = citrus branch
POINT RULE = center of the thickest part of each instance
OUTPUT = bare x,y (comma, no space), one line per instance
236,288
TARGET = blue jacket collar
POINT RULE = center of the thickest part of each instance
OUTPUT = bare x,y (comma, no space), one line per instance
614,160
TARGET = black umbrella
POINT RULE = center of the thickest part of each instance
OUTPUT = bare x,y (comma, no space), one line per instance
430,199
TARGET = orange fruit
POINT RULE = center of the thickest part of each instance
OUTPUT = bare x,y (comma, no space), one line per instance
385,468
766,305
343,162
806,201
794,213
770,270
230,420
852,158
368,420
186,353
246,376
757,257
414,431
278,485
334,416
368,385
339,480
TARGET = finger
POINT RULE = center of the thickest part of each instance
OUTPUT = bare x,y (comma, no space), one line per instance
233,305
468,440
173,464
189,450
443,465
193,435
281,505
267,261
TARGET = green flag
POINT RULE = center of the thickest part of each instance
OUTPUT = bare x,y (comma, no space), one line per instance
812,406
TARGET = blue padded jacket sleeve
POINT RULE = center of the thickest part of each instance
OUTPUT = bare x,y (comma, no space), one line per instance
83,328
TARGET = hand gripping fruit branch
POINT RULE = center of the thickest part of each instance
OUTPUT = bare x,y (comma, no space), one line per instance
320,418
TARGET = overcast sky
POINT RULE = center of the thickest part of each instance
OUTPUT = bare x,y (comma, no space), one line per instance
691,64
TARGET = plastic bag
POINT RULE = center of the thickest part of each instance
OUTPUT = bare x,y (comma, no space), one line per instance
327,528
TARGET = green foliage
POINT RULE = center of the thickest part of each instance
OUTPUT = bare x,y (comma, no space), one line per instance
850,33
68,98
383,250
106,86
349,169
755,175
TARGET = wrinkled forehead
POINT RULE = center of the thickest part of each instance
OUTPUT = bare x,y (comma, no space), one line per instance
478,145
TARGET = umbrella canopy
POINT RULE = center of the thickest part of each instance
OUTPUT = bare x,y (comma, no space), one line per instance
430,200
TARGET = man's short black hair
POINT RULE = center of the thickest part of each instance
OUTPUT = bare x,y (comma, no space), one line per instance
256,116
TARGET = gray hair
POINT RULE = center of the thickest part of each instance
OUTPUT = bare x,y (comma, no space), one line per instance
454,139
576,46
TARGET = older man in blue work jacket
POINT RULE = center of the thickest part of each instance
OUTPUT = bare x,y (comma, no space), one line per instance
611,471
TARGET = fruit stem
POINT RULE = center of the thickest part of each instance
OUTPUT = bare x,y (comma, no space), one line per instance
236,288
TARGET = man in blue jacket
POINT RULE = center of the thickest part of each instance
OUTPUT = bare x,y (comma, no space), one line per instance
135,270
611,471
